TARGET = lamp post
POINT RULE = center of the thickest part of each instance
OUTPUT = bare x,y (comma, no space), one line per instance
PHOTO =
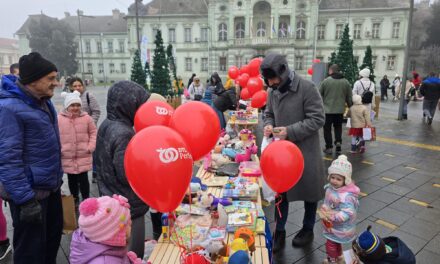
137,25
405,63
79,13
102,59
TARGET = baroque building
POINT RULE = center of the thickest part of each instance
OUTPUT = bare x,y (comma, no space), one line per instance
212,35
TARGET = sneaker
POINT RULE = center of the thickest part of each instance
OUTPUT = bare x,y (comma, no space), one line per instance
338,148
5,248
279,240
303,238
328,151
362,150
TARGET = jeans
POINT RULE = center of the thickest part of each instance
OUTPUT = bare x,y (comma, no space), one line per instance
309,214
38,243
79,182
336,121
429,107
221,117
383,93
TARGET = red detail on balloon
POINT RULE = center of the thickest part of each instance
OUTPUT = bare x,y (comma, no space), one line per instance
244,94
282,165
151,114
259,99
158,166
233,72
199,126
254,85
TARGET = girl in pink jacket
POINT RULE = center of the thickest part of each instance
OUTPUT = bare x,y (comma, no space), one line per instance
78,141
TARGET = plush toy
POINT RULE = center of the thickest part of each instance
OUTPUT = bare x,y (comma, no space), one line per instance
252,149
238,244
195,258
197,180
230,152
245,135
209,200
239,257
247,235
218,160
219,256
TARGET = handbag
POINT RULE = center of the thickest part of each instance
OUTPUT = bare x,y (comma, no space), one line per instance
369,133
198,97
69,214
348,123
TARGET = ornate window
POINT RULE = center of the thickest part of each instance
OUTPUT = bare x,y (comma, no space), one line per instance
391,63
283,30
261,29
222,64
299,63
188,35
301,30
171,35
376,28
188,64
239,30
222,32
204,34
357,31
339,31
321,32
396,29
204,65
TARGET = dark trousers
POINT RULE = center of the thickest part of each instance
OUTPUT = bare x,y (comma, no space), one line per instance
429,107
79,182
156,220
309,214
38,243
336,121
383,93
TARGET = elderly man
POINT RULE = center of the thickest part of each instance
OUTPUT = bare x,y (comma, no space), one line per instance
30,160
295,112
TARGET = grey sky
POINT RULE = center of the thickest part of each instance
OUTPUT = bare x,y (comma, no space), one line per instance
13,13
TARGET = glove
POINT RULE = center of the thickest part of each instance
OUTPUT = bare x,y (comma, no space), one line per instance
30,212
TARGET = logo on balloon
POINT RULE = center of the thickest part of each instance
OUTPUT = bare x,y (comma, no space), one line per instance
163,111
172,154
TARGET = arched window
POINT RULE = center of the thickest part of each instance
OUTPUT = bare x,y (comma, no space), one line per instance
222,32
300,30
283,30
239,30
261,29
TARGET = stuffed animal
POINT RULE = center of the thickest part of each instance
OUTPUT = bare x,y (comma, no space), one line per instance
209,200
247,235
245,135
252,149
230,152
218,160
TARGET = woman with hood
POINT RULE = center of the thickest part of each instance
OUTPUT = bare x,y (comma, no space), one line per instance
223,99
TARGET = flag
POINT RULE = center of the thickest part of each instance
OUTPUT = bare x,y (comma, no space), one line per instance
289,29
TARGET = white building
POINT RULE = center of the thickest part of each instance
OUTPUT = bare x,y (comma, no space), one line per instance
8,54
216,34
104,45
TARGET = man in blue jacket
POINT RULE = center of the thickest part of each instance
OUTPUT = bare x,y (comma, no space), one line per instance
30,160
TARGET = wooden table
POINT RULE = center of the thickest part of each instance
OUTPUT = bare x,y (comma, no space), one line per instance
166,252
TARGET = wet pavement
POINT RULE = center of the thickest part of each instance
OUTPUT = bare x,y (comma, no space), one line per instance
399,177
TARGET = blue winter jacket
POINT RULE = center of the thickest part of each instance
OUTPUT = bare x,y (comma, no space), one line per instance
30,150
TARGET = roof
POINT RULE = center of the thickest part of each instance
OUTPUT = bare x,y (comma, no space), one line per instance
95,24
6,43
170,7
362,4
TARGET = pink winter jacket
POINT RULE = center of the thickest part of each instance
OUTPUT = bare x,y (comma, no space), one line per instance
78,141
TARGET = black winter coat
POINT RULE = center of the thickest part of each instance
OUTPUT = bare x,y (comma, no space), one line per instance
226,100
114,134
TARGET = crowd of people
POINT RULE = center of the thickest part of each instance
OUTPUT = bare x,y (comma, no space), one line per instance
37,146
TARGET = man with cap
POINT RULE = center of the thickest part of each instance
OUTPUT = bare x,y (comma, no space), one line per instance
295,112
30,160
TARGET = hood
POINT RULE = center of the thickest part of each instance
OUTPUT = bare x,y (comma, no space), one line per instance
68,114
350,188
357,99
275,65
216,77
82,250
337,75
8,82
123,100
432,80
10,89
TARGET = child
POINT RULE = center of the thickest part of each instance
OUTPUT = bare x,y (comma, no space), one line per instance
360,118
104,228
370,248
78,141
339,209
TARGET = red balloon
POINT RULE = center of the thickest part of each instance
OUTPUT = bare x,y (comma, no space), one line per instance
153,113
243,79
254,66
199,125
310,71
259,99
244,69
316,61
158,165
254,85
282,165
244,94
233,72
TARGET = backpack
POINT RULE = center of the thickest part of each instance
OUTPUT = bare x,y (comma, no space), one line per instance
367,95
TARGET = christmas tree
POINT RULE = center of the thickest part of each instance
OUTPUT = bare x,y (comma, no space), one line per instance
147,71
332,59
172,64
160,76
137,72
368,62
345,58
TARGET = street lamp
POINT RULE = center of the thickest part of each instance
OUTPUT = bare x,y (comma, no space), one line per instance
79,13
102,58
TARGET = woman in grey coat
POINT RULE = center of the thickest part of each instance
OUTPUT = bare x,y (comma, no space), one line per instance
295,112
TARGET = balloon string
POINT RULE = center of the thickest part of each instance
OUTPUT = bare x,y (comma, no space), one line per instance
277,204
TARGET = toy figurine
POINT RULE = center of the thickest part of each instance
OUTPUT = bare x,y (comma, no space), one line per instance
252,149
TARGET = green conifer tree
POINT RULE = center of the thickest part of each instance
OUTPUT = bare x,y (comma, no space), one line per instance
137,72
160,76
172,65
345,58
368,62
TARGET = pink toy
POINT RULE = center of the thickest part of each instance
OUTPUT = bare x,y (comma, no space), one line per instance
252,149
250,169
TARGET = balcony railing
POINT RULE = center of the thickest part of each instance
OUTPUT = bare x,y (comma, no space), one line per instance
262,41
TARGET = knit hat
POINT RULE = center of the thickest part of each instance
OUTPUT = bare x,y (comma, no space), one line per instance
156,97
369,246
357,99
239,257
71,98
105,219
33,67
365,73
341,166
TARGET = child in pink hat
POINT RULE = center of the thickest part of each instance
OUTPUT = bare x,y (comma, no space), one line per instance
104,228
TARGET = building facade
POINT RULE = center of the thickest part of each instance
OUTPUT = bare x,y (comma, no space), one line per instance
9,54
103,55
214,35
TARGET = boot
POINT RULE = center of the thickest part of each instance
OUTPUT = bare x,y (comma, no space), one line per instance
303,238
353,149
279,240
328,151
5,248
405,117
362,148
338,148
